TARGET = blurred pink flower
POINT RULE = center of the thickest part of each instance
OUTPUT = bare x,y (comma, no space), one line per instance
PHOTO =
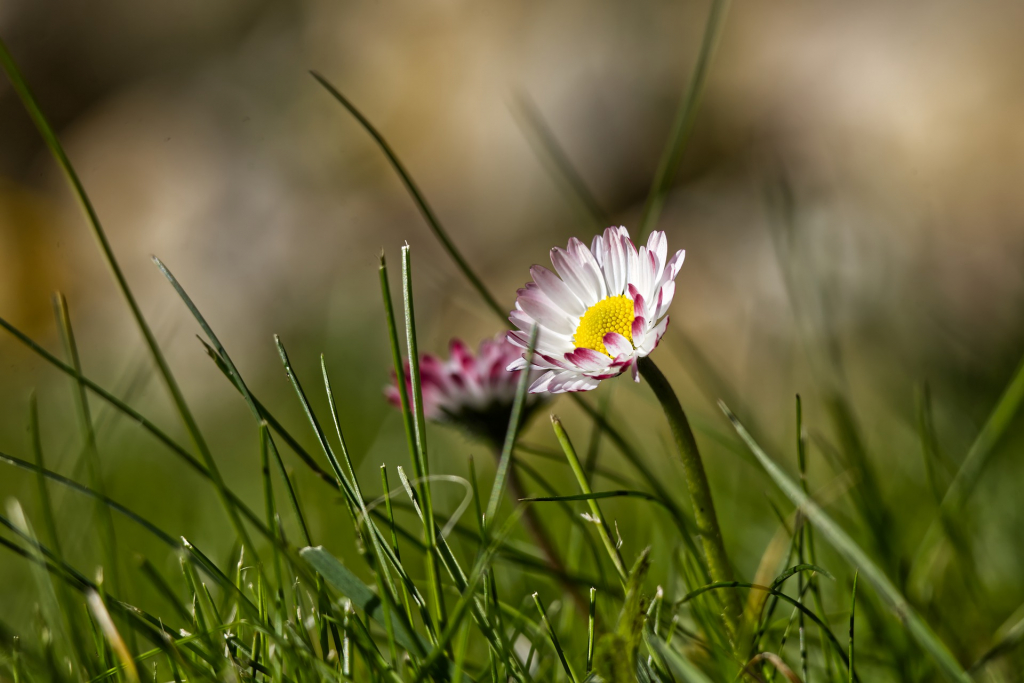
474,392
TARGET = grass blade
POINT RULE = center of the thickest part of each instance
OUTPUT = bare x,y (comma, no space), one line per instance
554,639
595,510
108,538
57,150
421,462
505,459
421,203
846,546
686,116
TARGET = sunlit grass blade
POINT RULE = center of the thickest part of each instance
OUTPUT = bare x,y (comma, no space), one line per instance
595,510
849,549
68,620
221,357
468,595
686,116
421,203
102,617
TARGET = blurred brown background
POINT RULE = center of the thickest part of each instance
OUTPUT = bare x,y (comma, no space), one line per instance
202,138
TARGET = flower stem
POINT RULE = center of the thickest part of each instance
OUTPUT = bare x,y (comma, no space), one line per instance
697,481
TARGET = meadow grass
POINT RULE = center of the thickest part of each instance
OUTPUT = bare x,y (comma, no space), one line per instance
284,608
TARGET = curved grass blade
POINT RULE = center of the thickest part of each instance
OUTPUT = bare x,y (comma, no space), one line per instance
846,546
421,203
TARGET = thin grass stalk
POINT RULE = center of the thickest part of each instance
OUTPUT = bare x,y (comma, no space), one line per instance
69,621
697,482
421,203
853,609
268,500
686,116
554,639
591,622
220,356
394,536
468,597
602,526
57,150
421,463
108,537
545,143
505,459
354,483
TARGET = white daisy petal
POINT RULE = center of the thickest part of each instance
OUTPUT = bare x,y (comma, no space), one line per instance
556,290
578,278
591,269
667,292
658,245
672,267
538,306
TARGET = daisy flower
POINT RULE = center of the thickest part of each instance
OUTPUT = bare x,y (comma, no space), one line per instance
604,309
475,392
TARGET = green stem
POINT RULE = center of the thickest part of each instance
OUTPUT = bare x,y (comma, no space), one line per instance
697,482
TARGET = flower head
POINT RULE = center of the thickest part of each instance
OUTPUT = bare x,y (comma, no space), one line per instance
474,392
605,308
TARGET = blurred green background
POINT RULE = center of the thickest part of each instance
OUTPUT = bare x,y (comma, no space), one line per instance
893,129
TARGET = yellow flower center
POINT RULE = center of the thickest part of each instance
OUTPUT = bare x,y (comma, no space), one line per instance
614,314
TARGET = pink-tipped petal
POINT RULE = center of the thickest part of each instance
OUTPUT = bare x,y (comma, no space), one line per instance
657,244
639,327
617,344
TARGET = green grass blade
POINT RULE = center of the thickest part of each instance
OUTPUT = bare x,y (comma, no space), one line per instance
591,622
853,610
421,203
505,459
988,438
53,143
108,538
554,639
686,116
849,549
421,462
544,142
345,582
684,668
581,478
